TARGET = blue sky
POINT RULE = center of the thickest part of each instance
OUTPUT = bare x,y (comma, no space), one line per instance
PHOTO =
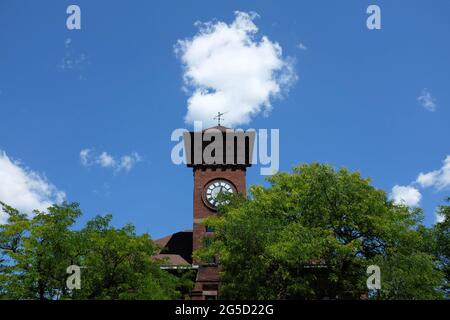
355,103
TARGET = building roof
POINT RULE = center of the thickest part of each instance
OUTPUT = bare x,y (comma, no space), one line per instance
171,260
176,248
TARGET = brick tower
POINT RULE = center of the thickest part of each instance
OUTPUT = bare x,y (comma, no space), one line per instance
219,157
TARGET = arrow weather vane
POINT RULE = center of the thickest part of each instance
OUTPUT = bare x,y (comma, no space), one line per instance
219,117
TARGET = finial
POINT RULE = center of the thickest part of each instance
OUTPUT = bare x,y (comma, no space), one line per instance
219,117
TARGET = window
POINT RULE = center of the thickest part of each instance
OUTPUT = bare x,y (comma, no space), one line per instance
209,229
208,242
211,260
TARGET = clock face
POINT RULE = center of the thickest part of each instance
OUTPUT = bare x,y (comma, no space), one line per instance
212,190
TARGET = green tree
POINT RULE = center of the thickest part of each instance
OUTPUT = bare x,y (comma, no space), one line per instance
313,233
442,236
116,263
37,251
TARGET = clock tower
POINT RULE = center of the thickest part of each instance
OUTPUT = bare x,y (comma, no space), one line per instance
219,158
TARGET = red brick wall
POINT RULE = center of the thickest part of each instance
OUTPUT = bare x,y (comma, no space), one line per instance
201,177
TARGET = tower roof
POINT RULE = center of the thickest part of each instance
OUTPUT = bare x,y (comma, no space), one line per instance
220,128
219,146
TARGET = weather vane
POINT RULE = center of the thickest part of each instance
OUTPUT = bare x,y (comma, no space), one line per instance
219,117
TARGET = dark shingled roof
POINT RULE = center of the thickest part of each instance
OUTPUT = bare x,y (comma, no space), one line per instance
176,248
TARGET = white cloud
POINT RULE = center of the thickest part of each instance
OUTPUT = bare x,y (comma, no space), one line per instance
406,195
73,61
302,46
427,101
230,70
127,162
409,195
427,179
105,160
439,218
25,189
439,179
84,157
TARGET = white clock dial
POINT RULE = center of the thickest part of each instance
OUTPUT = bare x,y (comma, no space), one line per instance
213,189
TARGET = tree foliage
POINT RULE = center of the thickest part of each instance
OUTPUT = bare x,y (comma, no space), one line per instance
442,244
312,234
115,262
